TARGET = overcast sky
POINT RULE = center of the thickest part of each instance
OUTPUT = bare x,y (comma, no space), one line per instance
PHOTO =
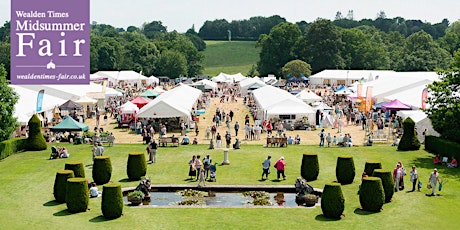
180,15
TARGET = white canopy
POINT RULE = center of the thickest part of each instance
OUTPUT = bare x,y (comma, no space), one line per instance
421,120
346,77
129,108
222,77
159,90
207,84
308,96
85,100
250,84
127,76
273,101
177,102
27,103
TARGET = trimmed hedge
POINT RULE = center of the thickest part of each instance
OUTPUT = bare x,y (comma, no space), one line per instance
438,145
102,169
387,182
371,194
112,201
77,168
332,201
77,195
345,170
371,165
12,146
36,140
137,166
309,170
60,184
409,141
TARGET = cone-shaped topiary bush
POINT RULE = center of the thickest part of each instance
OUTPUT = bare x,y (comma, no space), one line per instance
77,195
112,201
332,201
35,141
102,169
77,168
409,141
371,165
60,184
137,166
309,169
345,170
387,183
371,194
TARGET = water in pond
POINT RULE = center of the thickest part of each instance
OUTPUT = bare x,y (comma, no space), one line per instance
220,199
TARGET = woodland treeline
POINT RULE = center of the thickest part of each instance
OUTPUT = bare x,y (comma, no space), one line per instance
344,43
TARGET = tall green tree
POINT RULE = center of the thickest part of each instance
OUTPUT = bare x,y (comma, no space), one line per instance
172,63
423,54
444,101
277,48
8,100
321,46
296,68
153,29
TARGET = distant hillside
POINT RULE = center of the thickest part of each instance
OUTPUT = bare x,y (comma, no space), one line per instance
229,57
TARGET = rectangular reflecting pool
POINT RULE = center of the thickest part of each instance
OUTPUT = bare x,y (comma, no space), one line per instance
219,199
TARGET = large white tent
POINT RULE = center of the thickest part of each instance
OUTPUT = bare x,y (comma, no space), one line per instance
228,78
177,102
273,102
250,84
308,96
27,103
346,77
210,85
421,120
128,76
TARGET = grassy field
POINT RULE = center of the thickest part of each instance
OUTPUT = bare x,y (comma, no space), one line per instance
229,57
27,183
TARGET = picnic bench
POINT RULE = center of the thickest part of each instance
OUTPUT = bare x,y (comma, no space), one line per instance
107,139
277,142
163,141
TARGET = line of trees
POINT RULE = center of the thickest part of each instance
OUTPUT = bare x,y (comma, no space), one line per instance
324,45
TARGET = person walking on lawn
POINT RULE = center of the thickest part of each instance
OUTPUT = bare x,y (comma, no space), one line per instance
279,165
266,167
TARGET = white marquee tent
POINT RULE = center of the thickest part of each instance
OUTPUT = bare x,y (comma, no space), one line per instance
228,78
421,120
129,108
273,102
177,102
346,77
308,96
249,84
128,76
27,103
207,84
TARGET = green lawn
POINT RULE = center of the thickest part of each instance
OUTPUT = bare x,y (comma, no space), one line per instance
27,183
229,57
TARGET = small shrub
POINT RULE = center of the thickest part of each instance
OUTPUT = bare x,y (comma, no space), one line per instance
60,184
112,201
387,182
371,165
345,170
332,201
77,168
137,166
309,169
371,194
36,141
102,169
77,195
409,141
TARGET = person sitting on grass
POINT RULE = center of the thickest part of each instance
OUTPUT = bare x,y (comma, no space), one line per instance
195,141
185,140
453,163
93,192
437,160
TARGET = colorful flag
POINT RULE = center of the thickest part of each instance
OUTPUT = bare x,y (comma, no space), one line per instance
369,98
424,97
40,100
